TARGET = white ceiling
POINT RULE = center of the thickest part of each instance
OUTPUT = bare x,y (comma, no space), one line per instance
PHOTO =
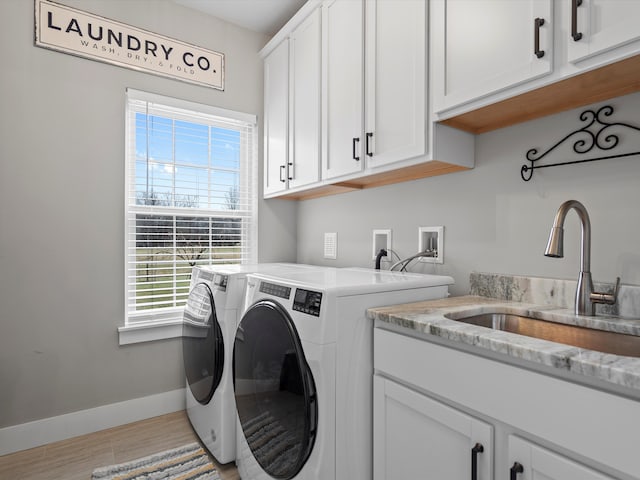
265,16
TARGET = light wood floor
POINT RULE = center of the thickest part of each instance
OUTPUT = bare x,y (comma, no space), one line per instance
75,459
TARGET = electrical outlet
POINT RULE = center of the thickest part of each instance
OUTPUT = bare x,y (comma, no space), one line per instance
381,239
431,239
331,245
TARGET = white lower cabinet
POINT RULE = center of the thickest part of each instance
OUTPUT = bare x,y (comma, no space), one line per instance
417,437
444,414
528,461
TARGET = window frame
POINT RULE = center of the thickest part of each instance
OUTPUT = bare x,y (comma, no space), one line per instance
166,322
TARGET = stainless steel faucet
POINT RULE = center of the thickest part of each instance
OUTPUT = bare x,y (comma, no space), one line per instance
586,298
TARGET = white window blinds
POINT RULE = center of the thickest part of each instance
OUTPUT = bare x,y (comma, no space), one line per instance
190,198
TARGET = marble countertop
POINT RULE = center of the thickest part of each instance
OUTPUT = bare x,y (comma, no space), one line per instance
429,318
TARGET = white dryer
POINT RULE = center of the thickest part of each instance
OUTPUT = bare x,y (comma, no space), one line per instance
303,370
211,315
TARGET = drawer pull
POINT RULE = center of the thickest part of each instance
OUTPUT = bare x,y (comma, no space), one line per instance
355,141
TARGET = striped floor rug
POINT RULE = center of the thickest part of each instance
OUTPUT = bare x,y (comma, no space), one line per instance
189,462
273,446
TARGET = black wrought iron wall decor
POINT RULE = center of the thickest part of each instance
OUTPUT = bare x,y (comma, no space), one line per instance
595,135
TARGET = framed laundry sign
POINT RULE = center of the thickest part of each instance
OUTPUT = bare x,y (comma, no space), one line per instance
69,30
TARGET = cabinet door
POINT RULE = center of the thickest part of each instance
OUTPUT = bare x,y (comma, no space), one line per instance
601,25
481,47
530,462
304,132
276,118
343,38
395,80
417,437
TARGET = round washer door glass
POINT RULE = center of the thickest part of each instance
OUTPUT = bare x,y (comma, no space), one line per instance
274,389
202,346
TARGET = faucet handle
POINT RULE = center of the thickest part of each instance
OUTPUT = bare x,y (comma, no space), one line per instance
608,298
616,289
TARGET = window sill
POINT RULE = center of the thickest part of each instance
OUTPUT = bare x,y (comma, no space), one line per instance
149,332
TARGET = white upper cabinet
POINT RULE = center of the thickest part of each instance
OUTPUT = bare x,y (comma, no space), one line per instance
276,119
596,26
494,63
304,131
374,51
396,83
356,111
343,38
482,47
292,82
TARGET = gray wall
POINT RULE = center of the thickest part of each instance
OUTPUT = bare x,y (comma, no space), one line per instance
62,208
495,222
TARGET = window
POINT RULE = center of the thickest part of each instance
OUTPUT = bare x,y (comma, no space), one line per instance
190,199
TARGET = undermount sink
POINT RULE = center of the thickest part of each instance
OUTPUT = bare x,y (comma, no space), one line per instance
591,339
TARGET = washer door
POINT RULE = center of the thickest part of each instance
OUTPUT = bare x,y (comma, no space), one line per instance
202,345
275,392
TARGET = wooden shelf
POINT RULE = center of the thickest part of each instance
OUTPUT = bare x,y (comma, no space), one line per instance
414,172
620,78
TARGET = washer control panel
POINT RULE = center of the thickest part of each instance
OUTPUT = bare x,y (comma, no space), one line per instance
275,290
307,301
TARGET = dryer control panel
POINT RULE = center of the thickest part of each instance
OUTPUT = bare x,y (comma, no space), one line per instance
220,282
307,301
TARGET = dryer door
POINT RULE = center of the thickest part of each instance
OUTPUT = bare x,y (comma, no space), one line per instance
202,345
274,389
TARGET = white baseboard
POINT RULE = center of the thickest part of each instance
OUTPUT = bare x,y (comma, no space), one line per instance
40,432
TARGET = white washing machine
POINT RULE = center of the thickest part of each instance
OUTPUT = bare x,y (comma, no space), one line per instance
211,315
303,370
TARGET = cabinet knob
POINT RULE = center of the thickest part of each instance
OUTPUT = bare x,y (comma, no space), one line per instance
477,448
515,470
